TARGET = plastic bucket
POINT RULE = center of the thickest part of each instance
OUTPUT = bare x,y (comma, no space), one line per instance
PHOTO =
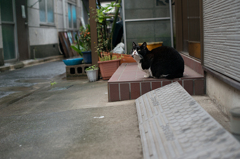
92,75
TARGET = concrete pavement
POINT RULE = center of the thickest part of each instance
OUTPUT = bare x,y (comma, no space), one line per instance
71,119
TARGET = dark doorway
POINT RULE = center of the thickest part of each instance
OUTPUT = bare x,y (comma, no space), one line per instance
22,29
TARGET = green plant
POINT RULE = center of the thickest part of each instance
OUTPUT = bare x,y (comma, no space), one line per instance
53,83
83,40
94,67
104,37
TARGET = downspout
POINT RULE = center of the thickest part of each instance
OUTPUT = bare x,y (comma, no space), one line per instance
64,16
64,24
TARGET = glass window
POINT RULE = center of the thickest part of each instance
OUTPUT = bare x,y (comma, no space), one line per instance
139,9
69,16
6,10
148,31
8,41
46,9
72,16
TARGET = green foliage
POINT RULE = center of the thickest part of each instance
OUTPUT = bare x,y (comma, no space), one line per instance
94,67
83,40
109,57
53,83
104,37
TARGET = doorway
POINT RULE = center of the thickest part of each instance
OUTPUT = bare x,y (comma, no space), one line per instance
14,30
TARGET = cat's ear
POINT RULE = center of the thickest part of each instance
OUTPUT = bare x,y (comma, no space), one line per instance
144,45
134,45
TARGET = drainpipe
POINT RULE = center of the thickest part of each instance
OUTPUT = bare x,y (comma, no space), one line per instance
64,16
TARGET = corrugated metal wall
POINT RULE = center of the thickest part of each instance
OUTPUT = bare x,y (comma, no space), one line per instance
221,20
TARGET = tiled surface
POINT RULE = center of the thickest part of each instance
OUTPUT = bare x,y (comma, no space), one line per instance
173,125
193,64
129,75
128,72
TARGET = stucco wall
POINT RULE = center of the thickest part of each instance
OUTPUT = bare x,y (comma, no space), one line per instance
224,95
1,44
44,35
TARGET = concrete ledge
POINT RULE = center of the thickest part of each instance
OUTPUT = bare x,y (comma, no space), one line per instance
30,62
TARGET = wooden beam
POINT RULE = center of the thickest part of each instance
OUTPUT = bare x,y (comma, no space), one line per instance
93,27
201,31
178,15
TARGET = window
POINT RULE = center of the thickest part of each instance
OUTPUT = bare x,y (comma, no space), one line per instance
46,11
72,16
188,27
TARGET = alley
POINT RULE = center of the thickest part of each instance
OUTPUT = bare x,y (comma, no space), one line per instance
71,119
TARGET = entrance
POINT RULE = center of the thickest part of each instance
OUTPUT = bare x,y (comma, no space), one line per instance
14,29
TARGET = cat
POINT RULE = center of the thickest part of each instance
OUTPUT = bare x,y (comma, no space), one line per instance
161,62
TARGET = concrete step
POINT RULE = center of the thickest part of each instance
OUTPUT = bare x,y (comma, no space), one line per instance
173,125
128,82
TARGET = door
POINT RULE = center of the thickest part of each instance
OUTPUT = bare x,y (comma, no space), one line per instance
147,21
22,29
8,29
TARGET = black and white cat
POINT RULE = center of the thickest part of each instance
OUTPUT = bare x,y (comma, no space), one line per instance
160,62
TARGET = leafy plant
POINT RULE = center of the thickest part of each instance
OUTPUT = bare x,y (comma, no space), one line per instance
109,56
53,83
104,37
83,40
94,67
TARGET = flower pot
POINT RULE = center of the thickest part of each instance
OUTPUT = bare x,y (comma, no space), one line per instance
75,61
152,45
108,68
87,57
92,75
125,58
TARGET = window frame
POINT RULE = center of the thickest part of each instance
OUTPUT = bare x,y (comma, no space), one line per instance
72,28
179,28
46,17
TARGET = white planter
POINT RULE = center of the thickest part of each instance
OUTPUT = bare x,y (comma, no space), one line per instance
92,75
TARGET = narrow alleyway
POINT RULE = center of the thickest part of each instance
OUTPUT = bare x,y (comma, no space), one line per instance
71,119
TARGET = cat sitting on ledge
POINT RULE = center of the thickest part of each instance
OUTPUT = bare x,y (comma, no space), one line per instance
161,62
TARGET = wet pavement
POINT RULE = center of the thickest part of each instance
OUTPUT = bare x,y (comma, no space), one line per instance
71,119
24,79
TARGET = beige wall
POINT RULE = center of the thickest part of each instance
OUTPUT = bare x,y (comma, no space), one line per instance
224,95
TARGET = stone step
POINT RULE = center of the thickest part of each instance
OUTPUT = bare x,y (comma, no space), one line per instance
128,82
173,125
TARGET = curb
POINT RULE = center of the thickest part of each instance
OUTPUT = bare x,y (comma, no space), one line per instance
29,62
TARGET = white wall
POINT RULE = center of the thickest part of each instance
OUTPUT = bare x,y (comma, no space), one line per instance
224,95
46,34
1,41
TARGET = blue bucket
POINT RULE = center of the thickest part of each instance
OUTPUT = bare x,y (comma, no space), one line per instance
87,57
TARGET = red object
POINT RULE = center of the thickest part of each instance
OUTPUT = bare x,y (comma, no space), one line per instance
107,68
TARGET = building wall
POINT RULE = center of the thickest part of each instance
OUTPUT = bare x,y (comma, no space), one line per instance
43,36
224,95
1,44
221,21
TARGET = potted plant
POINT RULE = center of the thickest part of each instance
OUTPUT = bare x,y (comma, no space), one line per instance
92,73
107,63
83,44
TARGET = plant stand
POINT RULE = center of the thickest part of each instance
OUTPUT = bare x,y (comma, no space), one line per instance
108,68
92,75
72,72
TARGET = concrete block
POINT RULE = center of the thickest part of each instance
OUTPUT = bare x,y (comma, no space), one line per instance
76,70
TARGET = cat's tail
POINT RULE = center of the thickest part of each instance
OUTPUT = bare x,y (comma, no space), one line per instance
172,76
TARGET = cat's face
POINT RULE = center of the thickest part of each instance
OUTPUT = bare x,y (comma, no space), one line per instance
138,52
